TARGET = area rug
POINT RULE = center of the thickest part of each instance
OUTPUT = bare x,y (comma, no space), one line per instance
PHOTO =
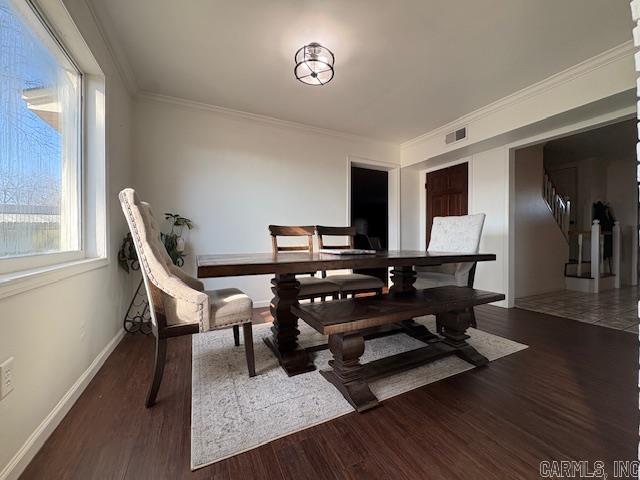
232,413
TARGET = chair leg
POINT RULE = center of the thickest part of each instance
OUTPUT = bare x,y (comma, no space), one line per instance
247,333
473,322
379,292
343,296
158,370
236,335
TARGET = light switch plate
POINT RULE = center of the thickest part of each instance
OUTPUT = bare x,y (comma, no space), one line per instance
6,377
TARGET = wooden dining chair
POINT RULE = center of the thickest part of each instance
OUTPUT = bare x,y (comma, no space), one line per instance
350,283
311,287
178,303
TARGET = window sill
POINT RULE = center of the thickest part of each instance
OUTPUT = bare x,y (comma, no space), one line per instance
18,282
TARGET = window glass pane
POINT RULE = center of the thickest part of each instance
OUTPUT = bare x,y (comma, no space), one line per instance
39,139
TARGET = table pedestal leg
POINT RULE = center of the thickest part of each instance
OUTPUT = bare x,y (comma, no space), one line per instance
347,374
403,279
284,341
454,325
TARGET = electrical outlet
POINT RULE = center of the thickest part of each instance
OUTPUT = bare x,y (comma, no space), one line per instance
6,377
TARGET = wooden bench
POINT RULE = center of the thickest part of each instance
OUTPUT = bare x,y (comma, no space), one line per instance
348,322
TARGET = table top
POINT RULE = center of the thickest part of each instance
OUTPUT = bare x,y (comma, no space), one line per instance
231,265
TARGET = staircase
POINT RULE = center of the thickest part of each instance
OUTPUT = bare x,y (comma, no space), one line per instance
560,206
590,274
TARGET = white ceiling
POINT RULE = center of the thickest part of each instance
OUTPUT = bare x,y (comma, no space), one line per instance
614,141
403,67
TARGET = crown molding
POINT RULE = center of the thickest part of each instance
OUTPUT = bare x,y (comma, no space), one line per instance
601,60
115,51
255,117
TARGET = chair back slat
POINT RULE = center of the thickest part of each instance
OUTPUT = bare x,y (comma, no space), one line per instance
323,231
291,231
293,248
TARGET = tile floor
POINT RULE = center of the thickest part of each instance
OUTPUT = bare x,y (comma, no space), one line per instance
612,308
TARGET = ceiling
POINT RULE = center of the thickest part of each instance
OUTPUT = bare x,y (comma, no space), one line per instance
615,141
403,67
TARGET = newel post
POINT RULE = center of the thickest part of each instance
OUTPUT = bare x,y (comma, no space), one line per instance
595,255
616,253
580,242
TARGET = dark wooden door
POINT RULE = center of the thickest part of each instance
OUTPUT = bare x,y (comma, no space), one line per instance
447,193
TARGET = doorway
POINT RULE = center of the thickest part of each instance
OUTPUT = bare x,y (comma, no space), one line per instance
587,175
447,194
370,212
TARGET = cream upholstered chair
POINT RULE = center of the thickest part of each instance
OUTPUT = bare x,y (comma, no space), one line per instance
460,234
177,302
349,283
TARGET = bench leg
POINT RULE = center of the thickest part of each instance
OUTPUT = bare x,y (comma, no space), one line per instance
347,373
454,327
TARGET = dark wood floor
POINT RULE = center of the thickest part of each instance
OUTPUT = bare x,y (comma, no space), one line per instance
571,395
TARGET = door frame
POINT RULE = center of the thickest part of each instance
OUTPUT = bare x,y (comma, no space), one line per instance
592,123
423,193
393,170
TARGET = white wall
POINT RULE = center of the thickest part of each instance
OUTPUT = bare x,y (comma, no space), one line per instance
55,332
595,92
412,181
492,191
234,176
541,249
622,195
489,194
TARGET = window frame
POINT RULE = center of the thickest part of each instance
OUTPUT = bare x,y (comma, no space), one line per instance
34,17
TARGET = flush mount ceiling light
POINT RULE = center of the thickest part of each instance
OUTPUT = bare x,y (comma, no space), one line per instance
314,64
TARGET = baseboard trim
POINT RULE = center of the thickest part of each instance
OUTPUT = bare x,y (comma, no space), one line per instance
36,440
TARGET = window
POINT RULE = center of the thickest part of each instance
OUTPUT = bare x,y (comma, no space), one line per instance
40,144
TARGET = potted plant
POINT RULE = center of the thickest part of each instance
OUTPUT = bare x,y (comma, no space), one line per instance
173,241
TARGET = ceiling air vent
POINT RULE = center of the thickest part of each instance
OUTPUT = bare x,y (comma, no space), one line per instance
456,135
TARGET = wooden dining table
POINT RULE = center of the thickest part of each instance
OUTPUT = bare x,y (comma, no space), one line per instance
285,266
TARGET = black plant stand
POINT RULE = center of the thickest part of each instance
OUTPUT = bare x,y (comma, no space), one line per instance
138,318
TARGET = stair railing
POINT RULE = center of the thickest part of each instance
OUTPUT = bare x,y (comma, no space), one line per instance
560,206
